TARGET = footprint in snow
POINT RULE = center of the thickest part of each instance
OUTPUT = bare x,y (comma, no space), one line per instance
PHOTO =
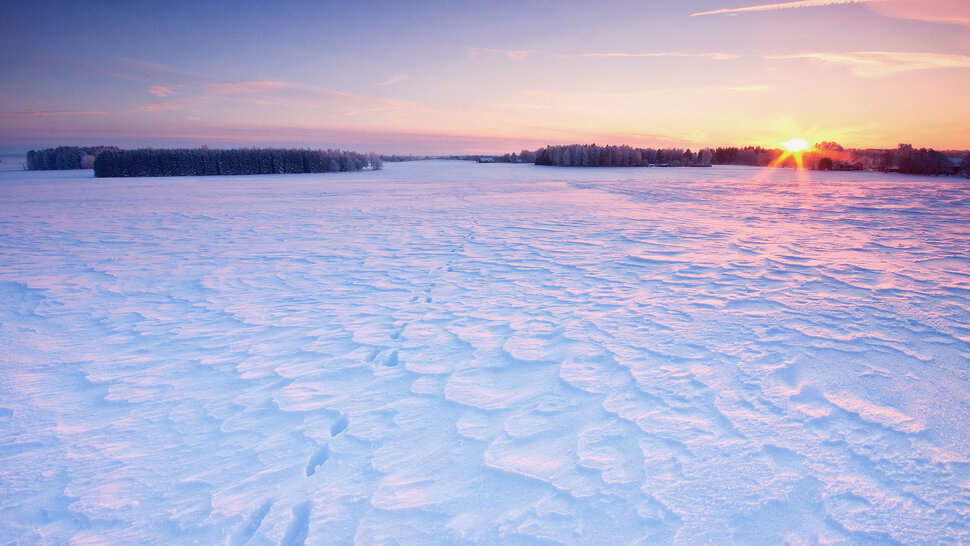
247,529
299,527
319,457
339,425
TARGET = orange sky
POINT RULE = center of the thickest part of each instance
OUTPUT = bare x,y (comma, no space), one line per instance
424,78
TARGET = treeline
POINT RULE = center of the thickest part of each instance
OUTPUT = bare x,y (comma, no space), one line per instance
206,162
754,156
827,156
525,156
823,156
401,158
906,159
591,155
65,157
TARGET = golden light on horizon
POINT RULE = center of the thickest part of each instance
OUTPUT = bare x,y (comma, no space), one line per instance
794,148
795,145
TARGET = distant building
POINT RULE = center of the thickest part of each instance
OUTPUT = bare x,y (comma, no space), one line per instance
958,165
848,166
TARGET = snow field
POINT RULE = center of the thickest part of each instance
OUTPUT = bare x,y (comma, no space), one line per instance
447,352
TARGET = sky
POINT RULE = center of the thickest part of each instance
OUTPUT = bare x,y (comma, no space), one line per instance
431,77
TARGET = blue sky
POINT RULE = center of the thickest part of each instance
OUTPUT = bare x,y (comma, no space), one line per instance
432,77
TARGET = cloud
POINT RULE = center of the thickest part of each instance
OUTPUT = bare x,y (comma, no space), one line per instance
391,80
715,56
44,113
127,68
260,102
161,90
953,12
931,18
756,88
785,5
539,94
283,94
682,138
510,54
169,105
248,87
877,64
696,90
525,106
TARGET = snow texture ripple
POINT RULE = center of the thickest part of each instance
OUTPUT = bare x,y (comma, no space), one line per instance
447,352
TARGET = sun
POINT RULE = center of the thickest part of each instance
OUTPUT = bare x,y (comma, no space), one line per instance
795,145
794,149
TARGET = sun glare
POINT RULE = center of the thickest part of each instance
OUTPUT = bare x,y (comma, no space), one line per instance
794,149
795,145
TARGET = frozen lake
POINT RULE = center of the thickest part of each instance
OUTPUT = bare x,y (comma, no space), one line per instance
448,352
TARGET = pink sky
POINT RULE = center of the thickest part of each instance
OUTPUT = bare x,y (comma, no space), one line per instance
423,78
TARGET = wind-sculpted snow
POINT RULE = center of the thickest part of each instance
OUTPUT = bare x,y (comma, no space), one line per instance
459,353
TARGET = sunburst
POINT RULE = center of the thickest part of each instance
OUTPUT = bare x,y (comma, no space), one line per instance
794,148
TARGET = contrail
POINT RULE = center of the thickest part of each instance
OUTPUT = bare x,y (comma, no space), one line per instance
786,5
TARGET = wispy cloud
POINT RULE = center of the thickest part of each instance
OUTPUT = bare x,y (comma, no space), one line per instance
785,5
44,113
161,90
525,106
126,68
696,90
952,12
391,80
715,56
168,106
557,97
934,18
539,94
510,54
249,87
756,88
877,64
283,93
258,102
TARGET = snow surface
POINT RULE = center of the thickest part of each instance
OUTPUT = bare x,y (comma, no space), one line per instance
447,352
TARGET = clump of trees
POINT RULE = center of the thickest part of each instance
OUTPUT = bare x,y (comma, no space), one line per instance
206,162
904,159
909,160
65,157
591,155
525,156
401,158
754,156
832,156
823,156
